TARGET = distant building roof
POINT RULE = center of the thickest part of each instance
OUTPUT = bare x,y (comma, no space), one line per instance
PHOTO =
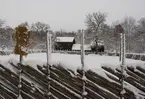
78,47
64,39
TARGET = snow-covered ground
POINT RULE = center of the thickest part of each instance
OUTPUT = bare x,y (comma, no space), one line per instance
73,62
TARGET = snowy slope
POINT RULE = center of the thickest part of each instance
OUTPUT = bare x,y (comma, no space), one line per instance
102,72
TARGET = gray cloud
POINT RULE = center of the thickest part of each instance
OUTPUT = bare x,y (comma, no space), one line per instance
67,14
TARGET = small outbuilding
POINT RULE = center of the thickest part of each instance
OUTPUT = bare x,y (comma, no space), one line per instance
77,47
64,43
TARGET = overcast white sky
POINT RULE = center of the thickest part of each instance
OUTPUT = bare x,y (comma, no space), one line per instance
68,15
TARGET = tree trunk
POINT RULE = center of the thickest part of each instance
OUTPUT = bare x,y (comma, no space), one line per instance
21,58
19,74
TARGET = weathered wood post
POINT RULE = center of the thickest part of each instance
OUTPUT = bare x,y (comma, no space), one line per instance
20,80
83,65
123,64
19,75
48,44
120,30
120,56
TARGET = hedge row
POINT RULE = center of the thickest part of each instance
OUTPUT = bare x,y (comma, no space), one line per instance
135,56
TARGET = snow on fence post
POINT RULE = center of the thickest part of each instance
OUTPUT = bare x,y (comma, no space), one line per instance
120,30
82,62
20,80
50,46
48,63
120,55
121,46
123,65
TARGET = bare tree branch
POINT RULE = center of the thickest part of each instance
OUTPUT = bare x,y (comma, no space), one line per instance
2,22
129,25
95,21
40,27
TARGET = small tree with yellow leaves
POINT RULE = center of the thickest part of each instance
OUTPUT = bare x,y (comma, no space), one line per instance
22,36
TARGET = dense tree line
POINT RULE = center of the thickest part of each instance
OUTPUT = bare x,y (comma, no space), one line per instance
135,32
37,30
97,29
5,34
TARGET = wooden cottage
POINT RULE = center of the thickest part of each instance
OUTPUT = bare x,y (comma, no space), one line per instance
64,43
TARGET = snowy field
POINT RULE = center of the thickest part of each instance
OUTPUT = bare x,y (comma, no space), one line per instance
73,62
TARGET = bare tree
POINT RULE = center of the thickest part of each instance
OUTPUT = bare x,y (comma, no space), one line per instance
40,27
2,22
117,38
139,36
26,24
40,30
2,32
129,25
95,22
142,24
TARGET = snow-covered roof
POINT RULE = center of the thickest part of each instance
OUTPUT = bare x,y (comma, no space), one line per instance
64,39
78,47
